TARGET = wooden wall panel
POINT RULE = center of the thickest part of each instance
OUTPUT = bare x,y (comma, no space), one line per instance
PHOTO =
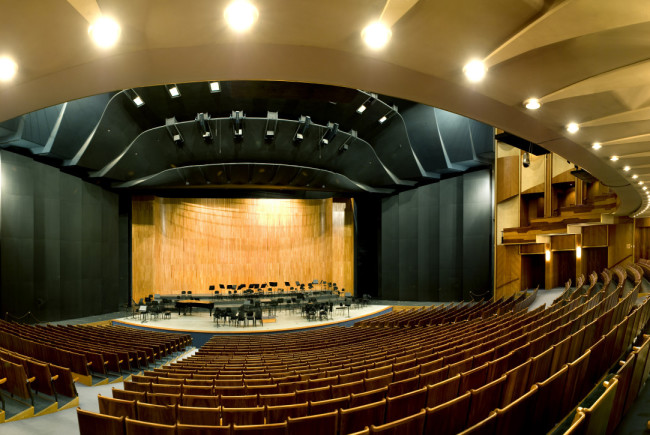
533,270
532,177
621,238
594,235
508,270
563,243
507,177
563,268
532,248
190,244
507,214
642,239
594,259
562,170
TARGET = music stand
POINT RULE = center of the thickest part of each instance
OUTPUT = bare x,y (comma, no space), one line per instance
143,312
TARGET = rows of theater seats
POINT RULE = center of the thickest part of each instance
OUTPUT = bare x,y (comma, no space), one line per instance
505,373
20,376
435,315
90,350
48,360
617,277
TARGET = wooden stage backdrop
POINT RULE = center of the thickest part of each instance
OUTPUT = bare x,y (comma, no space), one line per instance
190,244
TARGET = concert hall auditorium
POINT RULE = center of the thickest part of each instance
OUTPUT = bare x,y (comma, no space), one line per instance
281,217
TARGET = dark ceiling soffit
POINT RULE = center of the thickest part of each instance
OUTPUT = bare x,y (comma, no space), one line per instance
75,160
520,143
397,181
361,186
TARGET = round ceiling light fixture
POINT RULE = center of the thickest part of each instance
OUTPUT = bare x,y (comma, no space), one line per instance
8,68
376,35
572,127
475,70
241,15
105,32
532,104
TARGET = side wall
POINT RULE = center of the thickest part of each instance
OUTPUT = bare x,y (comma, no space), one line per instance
436,240
60,243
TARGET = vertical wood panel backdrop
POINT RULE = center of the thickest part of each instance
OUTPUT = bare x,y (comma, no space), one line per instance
190,244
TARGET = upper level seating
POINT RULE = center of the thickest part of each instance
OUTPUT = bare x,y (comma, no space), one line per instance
386,370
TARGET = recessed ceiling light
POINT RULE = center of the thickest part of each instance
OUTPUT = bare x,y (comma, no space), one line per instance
382,119
596,145
215,87
645,187
640,182
138,101
8,69
361,109
572,127
613,158
635,176
241,15
105,32
626,168
376,35
475,70
532,104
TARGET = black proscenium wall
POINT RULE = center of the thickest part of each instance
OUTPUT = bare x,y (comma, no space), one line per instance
435,240
60,243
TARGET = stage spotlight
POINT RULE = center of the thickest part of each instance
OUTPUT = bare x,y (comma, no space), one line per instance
172,129
237,119
392,112
330,133
301,131
362,108
346,145
203,122
173,91
271,125
133,95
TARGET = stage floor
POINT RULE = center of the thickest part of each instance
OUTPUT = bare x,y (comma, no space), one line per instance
284,321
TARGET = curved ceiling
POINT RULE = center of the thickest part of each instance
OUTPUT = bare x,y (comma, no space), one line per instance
585,59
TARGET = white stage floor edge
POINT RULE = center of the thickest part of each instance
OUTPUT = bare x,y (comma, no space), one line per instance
285,321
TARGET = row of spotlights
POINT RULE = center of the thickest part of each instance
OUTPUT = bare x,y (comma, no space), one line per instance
173,91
